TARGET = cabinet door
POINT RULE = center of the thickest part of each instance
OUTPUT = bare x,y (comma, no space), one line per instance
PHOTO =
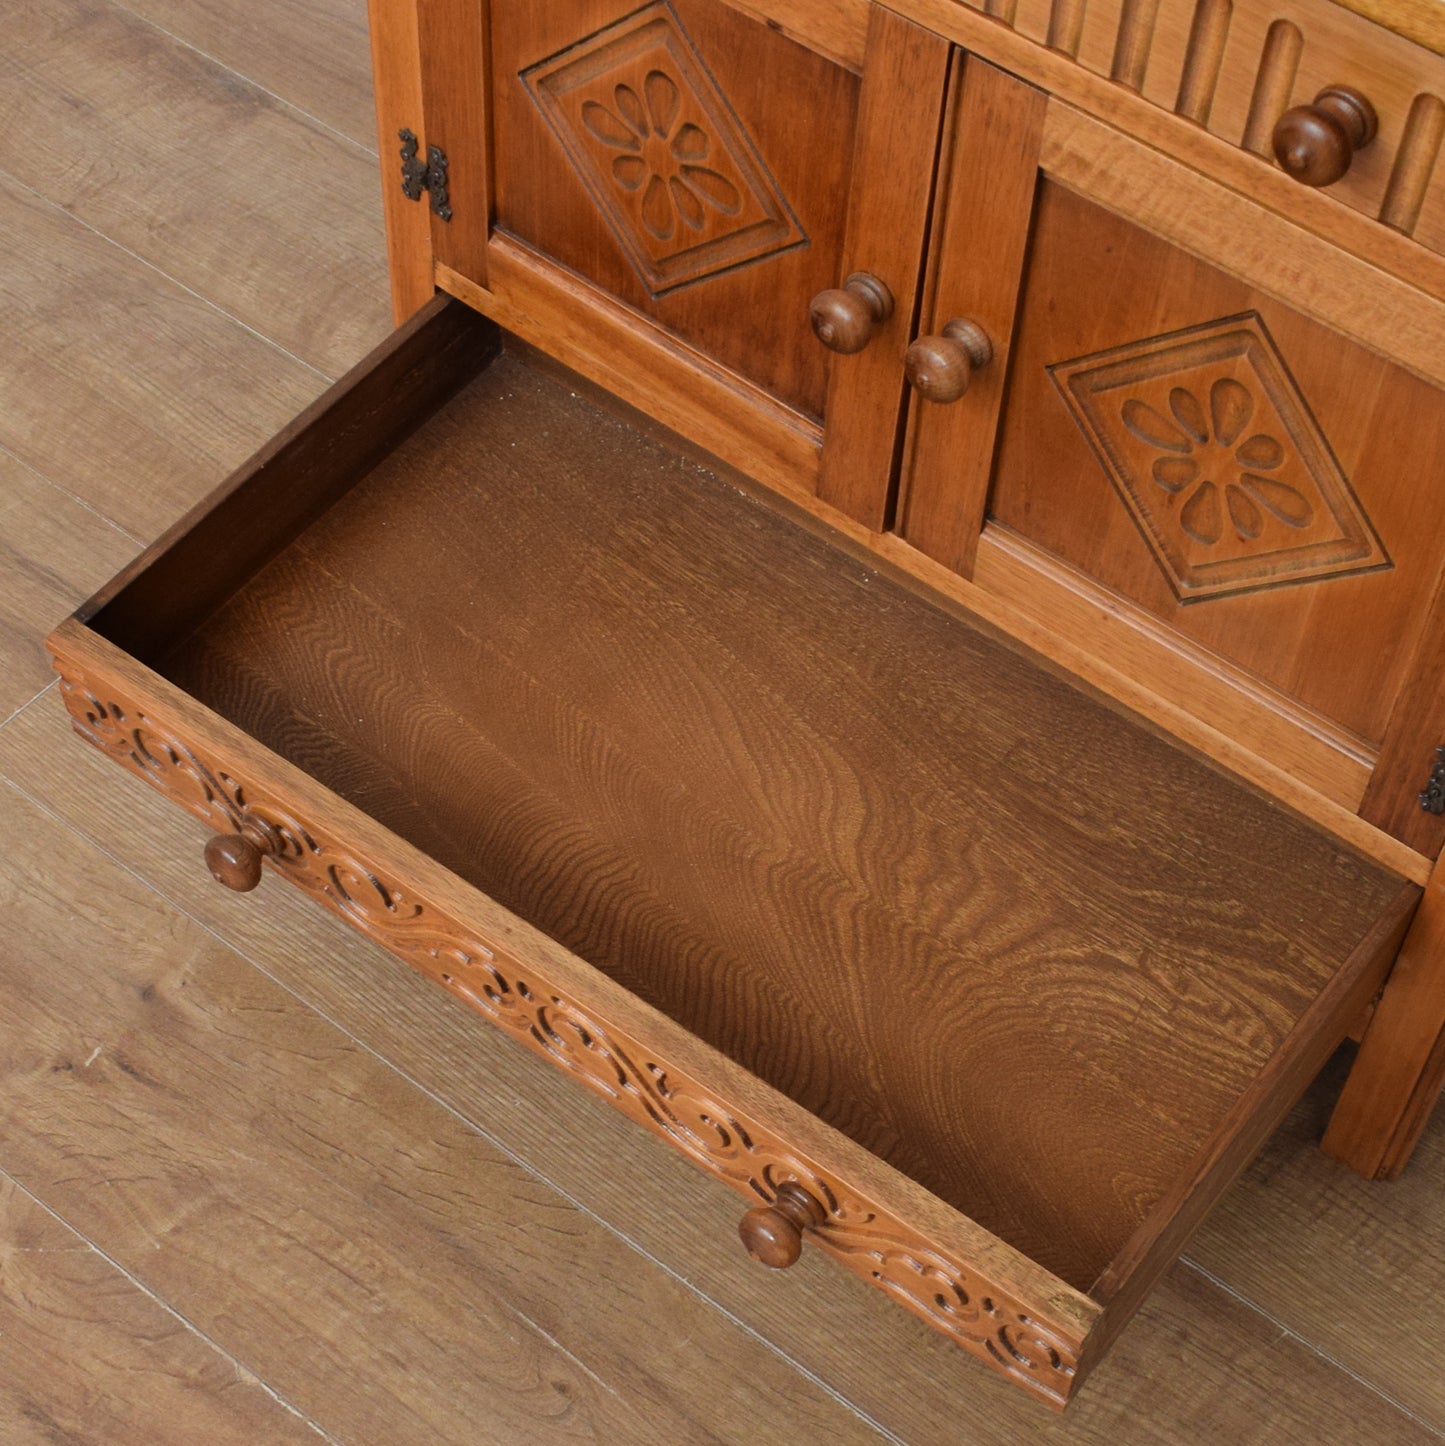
1202,472
670,186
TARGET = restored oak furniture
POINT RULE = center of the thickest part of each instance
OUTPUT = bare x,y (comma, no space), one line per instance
890,621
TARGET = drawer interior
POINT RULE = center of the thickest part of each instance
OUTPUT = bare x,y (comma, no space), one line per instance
1015,944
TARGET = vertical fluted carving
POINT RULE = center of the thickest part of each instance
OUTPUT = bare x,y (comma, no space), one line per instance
1414,163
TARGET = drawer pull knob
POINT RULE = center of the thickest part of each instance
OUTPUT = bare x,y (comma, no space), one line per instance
940,367
235,861
773,1234
845,321
1316,143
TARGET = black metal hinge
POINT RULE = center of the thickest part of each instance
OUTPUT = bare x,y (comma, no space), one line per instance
1432,796
431,177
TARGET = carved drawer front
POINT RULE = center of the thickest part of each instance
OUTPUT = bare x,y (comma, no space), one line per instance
1206,471
671,185
540,704
1236,68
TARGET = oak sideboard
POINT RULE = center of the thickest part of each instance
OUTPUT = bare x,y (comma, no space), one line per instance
883,608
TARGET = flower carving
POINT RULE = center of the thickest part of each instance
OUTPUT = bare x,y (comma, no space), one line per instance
1224,477
661,156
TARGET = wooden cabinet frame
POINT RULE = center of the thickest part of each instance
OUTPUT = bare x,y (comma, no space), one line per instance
1092,131
961,123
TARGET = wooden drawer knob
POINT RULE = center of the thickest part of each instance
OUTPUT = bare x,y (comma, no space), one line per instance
939,367
1316,143
844,321
235,861
773,1234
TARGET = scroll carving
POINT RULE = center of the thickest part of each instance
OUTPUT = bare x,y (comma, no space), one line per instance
946,1293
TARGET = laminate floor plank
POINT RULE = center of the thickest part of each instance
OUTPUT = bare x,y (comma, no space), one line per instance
275,219
87,1356
119,385
53,553
1197,1365
315,1214
312,53
1378,1307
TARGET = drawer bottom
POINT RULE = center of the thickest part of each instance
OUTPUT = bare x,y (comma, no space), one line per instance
855,881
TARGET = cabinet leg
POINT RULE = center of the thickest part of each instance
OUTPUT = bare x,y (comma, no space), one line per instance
1400,1069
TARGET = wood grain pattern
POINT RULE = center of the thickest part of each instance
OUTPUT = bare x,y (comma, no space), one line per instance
1237,1379
1001,1307
1254,1117
1325,759
1416,728
297,475
120,386
1350,1264
1133,42
888,211
1232,68
52,552
1199,1361
1167,197
1401,1065
1255,733
452,41
396,71
524,870
1341,645
311,53
1197,1353
1273,84
719,212
87,1356
1152,122
835,28
1203,56
1414,164
261,1172
645,366
976,258
234,238
1417,20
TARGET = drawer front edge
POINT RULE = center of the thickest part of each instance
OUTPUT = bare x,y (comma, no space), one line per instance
1035,1343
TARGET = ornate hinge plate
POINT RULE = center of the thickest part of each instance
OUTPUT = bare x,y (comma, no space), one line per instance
430,176
1432,796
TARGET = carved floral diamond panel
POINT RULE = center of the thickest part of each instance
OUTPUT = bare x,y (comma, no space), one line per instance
1215,453
661,152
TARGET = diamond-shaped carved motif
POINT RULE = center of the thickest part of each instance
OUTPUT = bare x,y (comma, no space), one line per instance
1215,453
661,152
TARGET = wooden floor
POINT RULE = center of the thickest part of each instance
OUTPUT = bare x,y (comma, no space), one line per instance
257,1182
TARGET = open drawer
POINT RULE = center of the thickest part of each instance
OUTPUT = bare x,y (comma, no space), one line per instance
967,979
